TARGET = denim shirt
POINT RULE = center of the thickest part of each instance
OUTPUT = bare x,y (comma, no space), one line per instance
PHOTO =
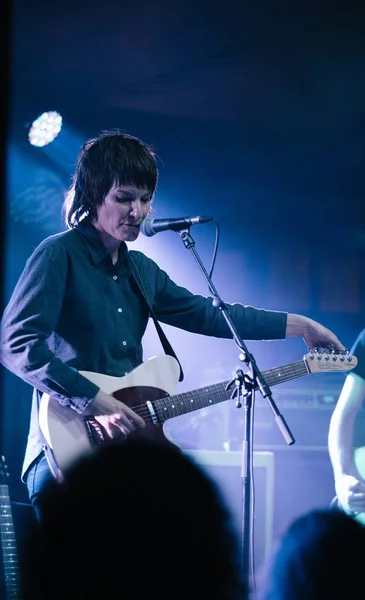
73,309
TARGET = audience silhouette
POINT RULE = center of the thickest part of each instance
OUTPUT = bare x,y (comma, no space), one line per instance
319,557
134,519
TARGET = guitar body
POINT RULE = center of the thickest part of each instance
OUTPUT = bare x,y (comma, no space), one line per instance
359,461
149,390
66,433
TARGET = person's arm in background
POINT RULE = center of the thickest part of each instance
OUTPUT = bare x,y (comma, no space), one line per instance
349,484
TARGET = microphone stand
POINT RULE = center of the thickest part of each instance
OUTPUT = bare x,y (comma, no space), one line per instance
244,392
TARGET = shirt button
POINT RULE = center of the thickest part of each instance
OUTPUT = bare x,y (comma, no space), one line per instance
124,343
115,277
120,310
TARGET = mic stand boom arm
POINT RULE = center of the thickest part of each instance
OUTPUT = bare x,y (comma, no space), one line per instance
245,389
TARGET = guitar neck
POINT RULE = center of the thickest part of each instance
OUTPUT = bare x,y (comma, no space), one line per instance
8,545
180,404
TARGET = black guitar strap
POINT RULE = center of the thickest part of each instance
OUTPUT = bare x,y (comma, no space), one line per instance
164,341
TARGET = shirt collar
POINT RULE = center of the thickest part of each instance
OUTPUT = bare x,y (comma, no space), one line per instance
96,248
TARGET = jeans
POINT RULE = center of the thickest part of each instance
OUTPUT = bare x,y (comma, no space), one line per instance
38,477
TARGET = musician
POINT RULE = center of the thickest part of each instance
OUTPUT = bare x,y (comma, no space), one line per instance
76,305
350,488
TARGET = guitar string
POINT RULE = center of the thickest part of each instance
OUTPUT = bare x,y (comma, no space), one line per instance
295,370
8,541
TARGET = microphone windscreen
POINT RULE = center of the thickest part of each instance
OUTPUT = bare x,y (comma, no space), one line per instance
146,228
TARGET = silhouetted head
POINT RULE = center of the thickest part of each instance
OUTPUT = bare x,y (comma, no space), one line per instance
139,516
320,557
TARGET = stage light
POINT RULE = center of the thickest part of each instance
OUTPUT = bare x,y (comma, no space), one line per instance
45,128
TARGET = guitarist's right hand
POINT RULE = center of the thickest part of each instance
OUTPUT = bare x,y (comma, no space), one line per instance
115,417
351,493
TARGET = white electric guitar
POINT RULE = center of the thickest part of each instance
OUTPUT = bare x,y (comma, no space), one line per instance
149,390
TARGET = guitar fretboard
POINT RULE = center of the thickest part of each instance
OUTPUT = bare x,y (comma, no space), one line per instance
180,404
8,545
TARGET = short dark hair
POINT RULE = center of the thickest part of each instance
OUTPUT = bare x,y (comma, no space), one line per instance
114,157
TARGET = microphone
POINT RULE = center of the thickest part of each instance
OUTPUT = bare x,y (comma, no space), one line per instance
150,227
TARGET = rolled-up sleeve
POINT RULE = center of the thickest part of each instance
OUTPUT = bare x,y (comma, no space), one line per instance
27,322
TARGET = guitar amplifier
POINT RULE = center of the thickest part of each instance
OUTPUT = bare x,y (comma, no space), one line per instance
225,469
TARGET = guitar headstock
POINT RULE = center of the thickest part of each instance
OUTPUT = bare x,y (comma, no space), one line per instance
329,361
4,471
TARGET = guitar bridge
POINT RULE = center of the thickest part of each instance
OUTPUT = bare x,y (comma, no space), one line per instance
95,432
